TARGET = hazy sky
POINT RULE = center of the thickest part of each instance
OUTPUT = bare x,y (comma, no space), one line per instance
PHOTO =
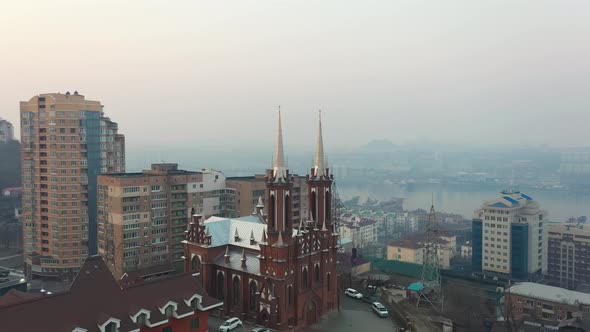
212,73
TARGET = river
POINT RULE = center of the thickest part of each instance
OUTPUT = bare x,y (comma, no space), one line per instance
465,198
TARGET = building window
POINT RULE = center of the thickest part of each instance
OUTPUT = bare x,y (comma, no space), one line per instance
169,311
167,329
317,274
304,278
252,298
220,285
194,324
328,277
111,327
141,319
196,264
236,290
290,295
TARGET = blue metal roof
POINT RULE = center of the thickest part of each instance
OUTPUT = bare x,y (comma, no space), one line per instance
527,197
500,205
510,199
416,287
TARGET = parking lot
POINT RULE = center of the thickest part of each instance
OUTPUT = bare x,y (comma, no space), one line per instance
355,315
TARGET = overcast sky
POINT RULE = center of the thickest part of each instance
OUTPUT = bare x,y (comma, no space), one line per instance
212,73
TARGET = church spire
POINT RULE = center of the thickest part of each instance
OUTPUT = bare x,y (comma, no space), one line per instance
279,166
320,162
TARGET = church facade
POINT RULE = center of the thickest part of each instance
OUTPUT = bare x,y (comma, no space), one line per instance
268,267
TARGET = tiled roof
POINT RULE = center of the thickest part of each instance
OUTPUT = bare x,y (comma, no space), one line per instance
95,296
223,230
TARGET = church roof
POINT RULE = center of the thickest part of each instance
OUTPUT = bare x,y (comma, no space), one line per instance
235,261
223,231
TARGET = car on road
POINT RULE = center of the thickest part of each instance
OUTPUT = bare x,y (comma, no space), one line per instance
379,309
261,329
230,324
353,293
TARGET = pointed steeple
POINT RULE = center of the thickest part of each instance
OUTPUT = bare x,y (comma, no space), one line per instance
279,166
320,162
324,227
226,254
243,257
260,204
263,236
280,242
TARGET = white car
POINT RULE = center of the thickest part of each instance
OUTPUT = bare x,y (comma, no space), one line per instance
379,309
353,293
230,324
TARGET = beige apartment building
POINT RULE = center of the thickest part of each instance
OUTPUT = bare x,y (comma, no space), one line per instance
143,217
411,249
568,255
65,142
250,188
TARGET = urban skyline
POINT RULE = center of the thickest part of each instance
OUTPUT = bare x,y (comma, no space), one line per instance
392,70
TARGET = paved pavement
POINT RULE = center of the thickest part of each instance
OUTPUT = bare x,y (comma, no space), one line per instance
355,315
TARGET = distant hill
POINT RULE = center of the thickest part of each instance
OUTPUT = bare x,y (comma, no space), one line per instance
10,164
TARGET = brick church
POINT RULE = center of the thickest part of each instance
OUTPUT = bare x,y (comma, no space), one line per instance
267,267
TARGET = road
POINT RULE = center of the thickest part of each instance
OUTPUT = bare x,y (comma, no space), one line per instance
356,315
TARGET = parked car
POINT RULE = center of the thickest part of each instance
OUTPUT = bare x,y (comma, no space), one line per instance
353,293
230,324
379,309
261,329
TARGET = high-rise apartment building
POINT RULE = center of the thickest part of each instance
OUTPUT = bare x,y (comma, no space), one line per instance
508,237
251,188
66,141
6,131
142,216
568,255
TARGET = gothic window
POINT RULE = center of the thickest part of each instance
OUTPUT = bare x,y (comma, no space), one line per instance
220,285
290,295
304,278
312,208
196,264
287,211
236,290
329,276
271,211
328,206
317,273
252,298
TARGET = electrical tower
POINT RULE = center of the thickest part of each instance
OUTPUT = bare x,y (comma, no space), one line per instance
432,292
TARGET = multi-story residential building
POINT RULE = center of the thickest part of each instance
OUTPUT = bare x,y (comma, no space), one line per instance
363,232
66,141
142,216
251,188
508,237
568,255
98,302
537,305
411,249
6,131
